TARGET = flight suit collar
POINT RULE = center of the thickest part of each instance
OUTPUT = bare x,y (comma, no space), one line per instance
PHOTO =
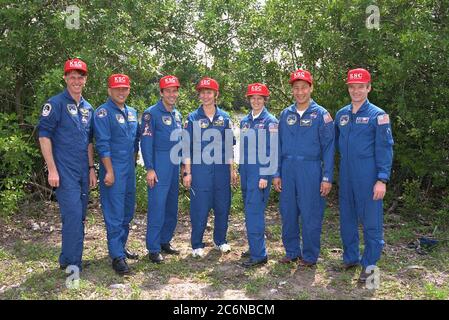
111,103
203,114
261,116
160,106
69,97
309,109
362,109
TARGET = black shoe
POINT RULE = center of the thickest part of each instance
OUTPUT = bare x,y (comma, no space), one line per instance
349,266
156,257
120,266
130,255
252,263
84,265
306,264
245,254
286,260
364,276
167,248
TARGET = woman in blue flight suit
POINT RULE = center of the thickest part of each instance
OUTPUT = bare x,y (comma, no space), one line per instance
209,183
256,170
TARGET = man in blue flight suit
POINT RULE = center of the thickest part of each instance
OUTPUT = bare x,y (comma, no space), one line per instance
365,142
158,123
306,142
65,137
117,142
254,169
209,175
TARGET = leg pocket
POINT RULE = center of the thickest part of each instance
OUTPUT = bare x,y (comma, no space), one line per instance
255,196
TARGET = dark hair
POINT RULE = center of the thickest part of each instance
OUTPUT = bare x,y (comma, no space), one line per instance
78,71
162,89
265,99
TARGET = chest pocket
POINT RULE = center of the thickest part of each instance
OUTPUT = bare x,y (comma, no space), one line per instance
309,130
259,125
199,127
120,126
343,123
132,123
219,123
71,119
364,127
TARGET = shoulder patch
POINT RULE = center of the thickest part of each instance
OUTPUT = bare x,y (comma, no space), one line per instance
383,119
327,117
102,113
46,109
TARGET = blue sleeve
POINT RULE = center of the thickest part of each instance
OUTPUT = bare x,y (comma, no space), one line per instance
280,128
147,139
102,132
91,131
49,119
327,142
188,140
271,133
337,134
234,140
384,147
137,139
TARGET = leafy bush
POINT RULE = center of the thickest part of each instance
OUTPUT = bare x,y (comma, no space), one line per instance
18,154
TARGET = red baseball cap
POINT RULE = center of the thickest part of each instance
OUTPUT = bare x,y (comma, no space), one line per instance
75,64
301,75
168,81
207,83
358,75
118,80
257,89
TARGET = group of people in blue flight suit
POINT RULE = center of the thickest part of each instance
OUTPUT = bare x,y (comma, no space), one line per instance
295,154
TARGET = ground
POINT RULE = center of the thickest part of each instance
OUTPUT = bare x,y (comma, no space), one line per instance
30,244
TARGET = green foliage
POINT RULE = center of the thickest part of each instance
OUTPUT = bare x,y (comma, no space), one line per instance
239,42
237,202
141,189
412,198
18,159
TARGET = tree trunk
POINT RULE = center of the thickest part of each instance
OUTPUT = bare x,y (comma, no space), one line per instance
18,99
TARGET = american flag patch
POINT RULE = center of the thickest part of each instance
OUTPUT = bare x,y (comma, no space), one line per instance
327,118
273,127
362,120
383,119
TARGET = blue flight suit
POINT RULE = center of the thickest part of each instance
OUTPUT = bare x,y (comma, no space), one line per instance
69,127
307,159
211,180
365,143
117,137
255,200
157,126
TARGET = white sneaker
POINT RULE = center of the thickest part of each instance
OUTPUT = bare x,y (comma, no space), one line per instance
225,248
198,253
